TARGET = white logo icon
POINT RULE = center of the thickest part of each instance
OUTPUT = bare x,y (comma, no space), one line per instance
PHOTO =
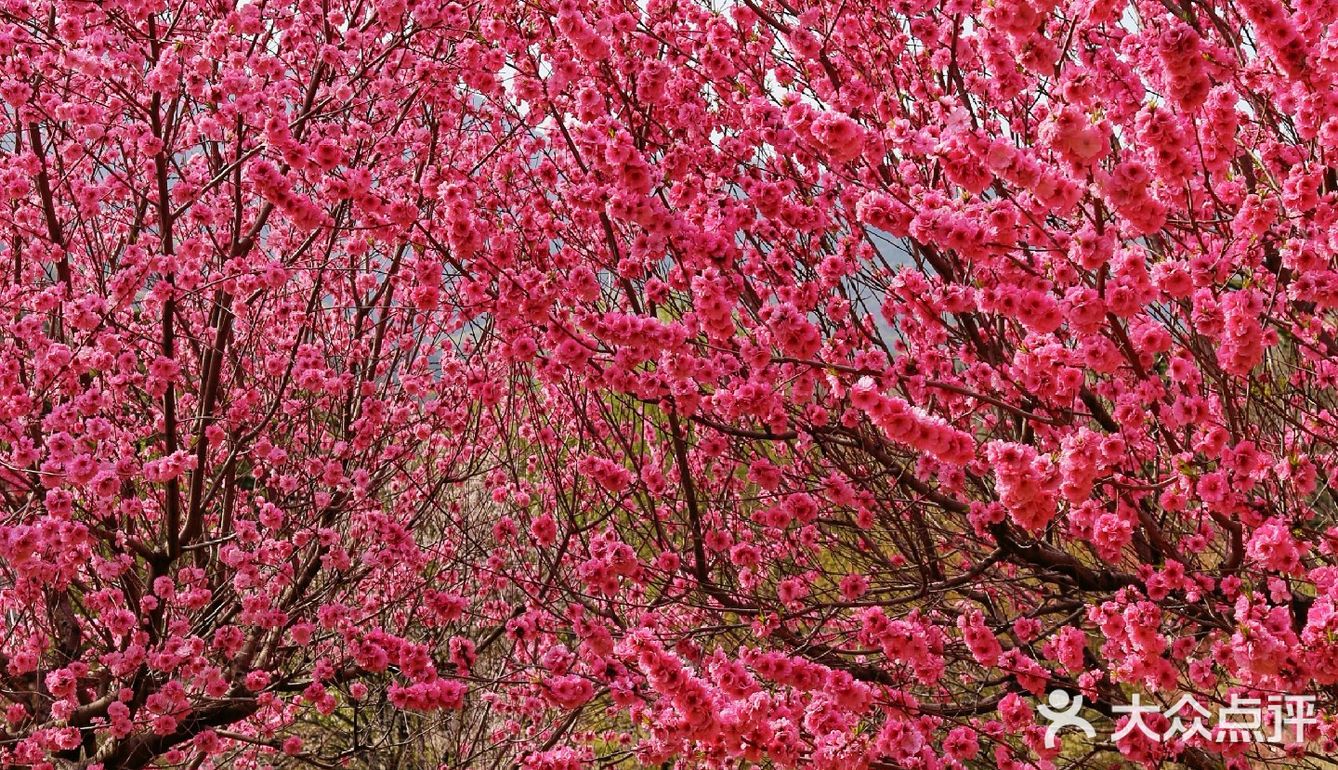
1063,712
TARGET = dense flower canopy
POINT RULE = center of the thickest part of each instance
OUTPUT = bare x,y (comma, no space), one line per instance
566,384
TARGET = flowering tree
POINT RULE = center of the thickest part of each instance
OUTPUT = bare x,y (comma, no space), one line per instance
561,384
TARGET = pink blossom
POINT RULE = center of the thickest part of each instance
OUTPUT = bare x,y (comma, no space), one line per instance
662,383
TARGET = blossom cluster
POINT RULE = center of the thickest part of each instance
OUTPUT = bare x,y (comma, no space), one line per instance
564,385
